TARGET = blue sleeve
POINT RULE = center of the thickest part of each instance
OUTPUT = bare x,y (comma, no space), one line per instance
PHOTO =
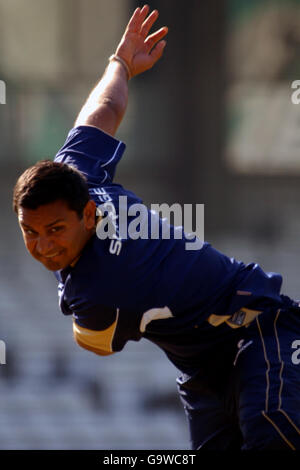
93,152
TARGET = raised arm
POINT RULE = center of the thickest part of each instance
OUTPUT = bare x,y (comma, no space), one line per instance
137,52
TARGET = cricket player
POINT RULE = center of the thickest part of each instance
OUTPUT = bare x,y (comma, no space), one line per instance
225,325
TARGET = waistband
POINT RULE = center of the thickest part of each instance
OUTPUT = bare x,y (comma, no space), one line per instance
245,315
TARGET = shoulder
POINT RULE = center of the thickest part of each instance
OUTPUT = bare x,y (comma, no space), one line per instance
93,152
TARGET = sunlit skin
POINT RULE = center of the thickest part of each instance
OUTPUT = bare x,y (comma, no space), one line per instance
55,235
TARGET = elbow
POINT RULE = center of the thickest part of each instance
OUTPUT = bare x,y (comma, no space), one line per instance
107,116
116,106
98,342
93,349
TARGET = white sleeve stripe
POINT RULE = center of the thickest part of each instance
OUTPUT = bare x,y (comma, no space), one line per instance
105,176
114,155
154,314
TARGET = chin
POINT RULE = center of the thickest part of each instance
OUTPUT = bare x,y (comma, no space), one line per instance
52,265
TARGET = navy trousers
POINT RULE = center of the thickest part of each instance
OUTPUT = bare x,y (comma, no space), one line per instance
247,394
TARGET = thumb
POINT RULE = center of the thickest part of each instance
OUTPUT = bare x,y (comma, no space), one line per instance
157,51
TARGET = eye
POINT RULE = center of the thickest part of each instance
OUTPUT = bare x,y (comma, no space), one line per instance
56,229
28,231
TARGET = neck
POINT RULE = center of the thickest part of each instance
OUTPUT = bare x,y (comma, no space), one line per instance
89,236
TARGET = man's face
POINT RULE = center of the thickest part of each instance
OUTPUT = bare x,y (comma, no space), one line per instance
54,234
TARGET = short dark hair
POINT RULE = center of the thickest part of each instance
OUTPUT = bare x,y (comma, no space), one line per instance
49,181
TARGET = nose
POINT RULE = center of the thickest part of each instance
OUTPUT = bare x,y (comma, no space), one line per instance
44,246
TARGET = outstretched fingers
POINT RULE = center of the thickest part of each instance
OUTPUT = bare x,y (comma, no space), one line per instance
137,19
148,23
155,37
138,48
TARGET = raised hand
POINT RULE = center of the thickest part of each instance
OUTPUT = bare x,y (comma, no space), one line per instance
137,48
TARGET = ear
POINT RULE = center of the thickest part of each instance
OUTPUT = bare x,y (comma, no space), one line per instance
89,213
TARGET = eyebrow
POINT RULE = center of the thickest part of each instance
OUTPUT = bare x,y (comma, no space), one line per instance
55,222
47,226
